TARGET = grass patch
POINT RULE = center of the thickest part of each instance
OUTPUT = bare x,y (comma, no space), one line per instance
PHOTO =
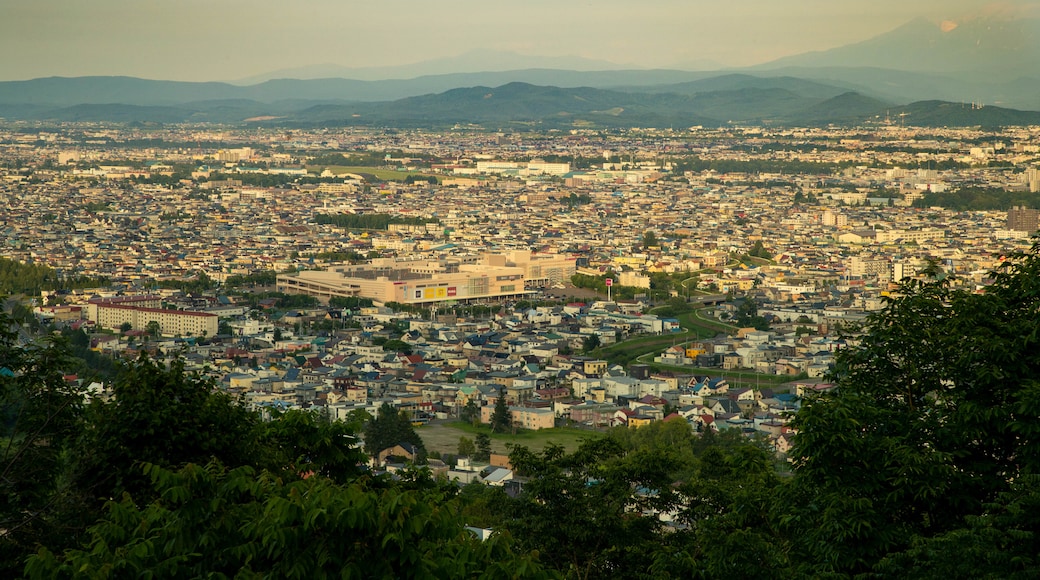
736,379
566,437
379,173
696,327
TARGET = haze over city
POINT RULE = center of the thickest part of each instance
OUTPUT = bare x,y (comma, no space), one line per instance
233,40
533,290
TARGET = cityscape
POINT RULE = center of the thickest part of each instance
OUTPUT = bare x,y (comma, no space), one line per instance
482,219
534,306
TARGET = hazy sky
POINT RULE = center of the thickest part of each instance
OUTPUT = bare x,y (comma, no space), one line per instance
234,39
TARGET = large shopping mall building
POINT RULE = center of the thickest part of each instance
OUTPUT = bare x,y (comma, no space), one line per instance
458,278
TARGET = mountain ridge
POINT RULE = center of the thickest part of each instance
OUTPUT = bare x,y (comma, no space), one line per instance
962,62
519,104
992,49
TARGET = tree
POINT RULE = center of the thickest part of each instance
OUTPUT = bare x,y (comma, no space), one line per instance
162,415
397,345
649,239
390,427
466,447
470,412
501,420
218,522
300,443
747,315
590,343
934,424
125,327
577,510
759,251
1003,542
41,414
483,445
153,327
483,505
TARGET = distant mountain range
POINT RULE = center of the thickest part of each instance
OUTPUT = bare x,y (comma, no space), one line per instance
982,49
468,62
716,101
933,68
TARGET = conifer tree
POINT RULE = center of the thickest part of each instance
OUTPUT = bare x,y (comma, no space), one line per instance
500,419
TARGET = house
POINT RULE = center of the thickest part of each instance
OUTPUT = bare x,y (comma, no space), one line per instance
464,472
742,395
531,418
724,405
402,450
593,413
705,422
496,476
639,421
783,443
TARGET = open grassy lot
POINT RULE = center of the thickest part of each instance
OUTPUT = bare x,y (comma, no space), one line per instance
379,173
444,437
695,327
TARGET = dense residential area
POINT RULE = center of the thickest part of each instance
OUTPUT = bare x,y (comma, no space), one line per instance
626,353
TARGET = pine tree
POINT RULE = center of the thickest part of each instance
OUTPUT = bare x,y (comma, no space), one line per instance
500,419
483,444
390,427
470,413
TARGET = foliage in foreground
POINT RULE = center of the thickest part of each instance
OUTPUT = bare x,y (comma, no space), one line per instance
922,463
209,521
932,435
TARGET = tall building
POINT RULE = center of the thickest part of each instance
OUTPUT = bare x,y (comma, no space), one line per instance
1023,219
1033,179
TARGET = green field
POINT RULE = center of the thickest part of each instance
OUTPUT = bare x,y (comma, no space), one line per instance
444,437
695,327
642,349
379,173
735,379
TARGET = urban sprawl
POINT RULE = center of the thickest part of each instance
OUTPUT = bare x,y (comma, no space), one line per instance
455,267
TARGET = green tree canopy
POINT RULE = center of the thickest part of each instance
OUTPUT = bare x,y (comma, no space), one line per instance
590,343
217,522
483,443
649,239
466,447
470,413
390,427
41,415
160,414
935,420
501,419
397,345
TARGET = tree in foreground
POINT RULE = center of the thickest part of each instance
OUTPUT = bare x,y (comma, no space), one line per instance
214,522
930,443
162,415
591,514
41,415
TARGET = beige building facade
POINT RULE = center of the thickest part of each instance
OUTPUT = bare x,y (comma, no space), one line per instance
491,276
171,322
